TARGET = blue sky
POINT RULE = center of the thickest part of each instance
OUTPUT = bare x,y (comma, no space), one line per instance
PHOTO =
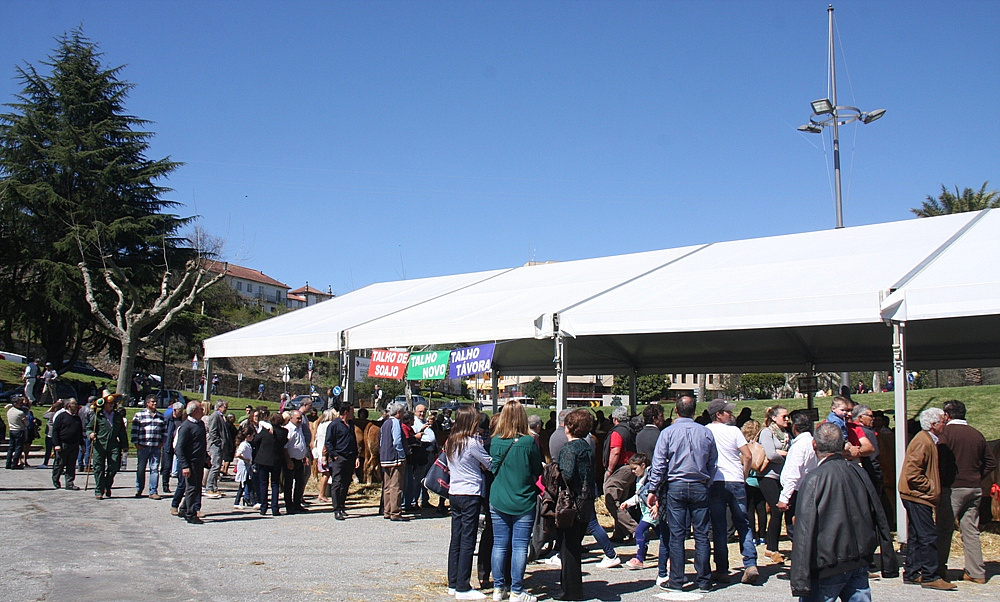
346,143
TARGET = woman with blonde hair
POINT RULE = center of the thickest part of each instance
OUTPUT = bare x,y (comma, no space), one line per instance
517,464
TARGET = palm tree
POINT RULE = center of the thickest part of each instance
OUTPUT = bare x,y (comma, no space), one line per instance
969,200
948,203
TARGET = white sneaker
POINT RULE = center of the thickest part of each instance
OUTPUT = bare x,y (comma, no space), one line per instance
522,597
451,591
472,594
662,580
498,594
607,562
553,560
256,506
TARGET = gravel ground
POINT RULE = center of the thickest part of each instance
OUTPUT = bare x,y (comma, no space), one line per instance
65,545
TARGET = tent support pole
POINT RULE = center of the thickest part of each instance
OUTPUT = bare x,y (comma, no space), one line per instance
560,362
632,391
346,370
899,376
207,394
494,391
811,395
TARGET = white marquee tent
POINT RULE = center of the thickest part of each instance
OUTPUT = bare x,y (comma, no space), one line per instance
915,293
823,299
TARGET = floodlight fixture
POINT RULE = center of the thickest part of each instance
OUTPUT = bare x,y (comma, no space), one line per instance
822,106
872,115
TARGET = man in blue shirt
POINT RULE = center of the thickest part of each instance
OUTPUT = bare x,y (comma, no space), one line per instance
684,466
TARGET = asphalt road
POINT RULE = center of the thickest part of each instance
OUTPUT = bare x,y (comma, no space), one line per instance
65,545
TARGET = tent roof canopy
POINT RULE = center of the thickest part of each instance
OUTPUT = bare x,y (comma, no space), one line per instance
779,303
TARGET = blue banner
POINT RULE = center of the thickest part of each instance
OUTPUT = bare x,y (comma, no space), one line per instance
471,360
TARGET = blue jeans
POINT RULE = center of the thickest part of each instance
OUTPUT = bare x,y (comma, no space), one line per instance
513,531
723,495
83,458
640,538
661,565
464,524
851,586
594,528
687,507
150,456
15,448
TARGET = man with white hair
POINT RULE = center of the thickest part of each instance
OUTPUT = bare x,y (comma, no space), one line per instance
425,434
920,489
619,481
296,469
191,452
838,524
392,458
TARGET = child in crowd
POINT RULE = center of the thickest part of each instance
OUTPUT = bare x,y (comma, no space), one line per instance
244,457
639,464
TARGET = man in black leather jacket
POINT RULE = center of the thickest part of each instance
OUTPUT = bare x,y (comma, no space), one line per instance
838,524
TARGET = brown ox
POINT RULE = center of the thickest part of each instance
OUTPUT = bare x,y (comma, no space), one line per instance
368,450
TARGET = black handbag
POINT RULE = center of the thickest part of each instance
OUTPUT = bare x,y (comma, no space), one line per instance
438,477
565,511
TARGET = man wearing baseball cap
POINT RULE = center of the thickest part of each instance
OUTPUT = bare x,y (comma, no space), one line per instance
728,492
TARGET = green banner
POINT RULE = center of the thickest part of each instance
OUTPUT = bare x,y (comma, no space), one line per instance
428,365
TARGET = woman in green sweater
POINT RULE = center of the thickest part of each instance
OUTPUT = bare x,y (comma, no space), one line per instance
517,464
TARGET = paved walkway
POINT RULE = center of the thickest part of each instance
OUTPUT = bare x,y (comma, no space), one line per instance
65,545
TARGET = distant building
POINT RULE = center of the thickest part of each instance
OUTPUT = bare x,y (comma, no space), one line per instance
305,296
580,390
254,285
687,384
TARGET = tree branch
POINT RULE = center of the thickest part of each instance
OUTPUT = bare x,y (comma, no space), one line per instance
94,307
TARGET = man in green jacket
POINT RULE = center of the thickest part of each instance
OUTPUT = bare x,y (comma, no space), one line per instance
110,439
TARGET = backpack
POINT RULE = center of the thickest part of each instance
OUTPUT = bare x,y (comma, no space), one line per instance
557,500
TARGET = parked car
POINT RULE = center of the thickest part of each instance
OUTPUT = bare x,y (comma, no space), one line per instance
167,397
453,406
415,400
89,370
64,390
319,404
17,358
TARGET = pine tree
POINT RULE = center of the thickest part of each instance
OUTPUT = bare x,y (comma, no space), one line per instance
77,186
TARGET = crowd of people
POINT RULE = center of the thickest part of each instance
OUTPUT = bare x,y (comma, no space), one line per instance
716,478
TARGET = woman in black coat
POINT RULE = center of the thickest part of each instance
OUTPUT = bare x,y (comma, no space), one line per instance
576,462
268,457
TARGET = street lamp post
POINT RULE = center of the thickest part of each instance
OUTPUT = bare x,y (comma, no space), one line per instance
827,113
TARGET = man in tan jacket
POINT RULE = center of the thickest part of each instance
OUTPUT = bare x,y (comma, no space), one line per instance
920,490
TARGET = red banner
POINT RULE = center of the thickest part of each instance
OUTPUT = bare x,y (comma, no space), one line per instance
388,364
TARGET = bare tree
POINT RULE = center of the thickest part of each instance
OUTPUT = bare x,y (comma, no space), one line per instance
135,319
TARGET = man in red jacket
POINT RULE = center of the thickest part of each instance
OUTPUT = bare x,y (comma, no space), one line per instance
964,459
